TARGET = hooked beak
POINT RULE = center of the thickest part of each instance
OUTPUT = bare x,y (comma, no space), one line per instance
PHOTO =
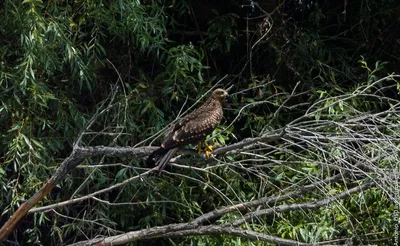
226,95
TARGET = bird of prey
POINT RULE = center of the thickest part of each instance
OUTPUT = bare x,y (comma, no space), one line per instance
191,129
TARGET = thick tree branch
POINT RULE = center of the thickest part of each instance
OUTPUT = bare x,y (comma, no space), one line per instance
185,229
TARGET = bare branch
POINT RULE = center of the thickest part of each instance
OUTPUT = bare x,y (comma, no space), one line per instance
213,215
183,230
308,205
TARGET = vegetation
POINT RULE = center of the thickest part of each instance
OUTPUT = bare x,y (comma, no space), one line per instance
308,150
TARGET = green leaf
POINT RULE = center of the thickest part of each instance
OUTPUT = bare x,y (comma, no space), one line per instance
27,141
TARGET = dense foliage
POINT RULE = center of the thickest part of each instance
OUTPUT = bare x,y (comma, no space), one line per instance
118,72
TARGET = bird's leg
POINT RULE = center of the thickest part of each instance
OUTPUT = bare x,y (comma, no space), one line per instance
199,147
203,146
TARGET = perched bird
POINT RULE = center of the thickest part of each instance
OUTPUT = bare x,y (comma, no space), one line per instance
191,129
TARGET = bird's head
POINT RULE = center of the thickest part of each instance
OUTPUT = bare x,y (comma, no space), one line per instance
219,94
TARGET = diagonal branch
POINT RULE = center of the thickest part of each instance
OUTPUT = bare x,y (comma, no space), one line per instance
215,214
67,165
307,205
183,230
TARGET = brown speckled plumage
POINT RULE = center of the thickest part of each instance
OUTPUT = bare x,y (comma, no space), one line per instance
190,129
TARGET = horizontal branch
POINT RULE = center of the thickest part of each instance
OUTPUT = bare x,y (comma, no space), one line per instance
147,150
140,152
163,231
117,151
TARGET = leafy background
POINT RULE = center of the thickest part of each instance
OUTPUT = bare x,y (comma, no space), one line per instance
63,61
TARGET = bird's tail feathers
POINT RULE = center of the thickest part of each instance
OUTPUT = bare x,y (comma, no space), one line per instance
163,161
154,157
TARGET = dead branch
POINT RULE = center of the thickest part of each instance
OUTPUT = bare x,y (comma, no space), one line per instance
185,229
308,205
248,206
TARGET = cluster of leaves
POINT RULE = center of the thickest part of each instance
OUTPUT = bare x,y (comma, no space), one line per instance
63,62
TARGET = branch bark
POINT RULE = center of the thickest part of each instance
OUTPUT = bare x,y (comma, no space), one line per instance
185,229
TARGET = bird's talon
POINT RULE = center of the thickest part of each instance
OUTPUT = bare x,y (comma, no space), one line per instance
208,150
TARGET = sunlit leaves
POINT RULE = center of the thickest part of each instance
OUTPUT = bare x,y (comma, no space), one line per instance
373,73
